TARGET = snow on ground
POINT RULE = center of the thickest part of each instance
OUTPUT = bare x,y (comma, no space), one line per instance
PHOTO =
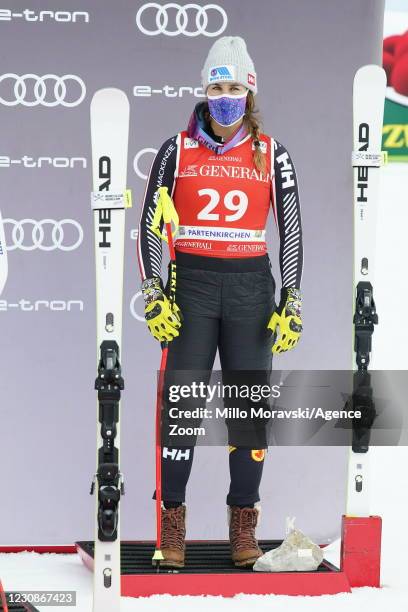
32,571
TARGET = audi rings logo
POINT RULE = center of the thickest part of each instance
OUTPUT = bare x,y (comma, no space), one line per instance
137,297
56,239
182,19
47,90
136,162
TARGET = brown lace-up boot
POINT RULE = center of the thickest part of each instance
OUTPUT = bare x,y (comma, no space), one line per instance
244,546
173,536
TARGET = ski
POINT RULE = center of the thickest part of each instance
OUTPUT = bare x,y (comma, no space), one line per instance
368,110
109,199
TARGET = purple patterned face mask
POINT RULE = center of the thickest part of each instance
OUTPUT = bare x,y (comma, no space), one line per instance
227,110
198,130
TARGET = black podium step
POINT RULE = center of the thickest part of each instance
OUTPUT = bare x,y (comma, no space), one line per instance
212,557
210,571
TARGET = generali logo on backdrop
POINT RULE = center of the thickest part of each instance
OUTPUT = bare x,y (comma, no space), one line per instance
44,16
173,19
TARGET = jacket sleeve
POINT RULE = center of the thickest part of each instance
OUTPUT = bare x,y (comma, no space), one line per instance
287,211
162,174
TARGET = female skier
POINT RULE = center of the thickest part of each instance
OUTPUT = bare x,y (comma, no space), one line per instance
224,175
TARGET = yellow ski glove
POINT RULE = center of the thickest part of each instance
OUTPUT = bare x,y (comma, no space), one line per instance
286,321
163,319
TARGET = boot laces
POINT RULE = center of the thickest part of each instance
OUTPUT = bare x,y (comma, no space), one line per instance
173,530
243,523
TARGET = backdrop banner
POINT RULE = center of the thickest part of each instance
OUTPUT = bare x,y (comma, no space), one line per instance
55,55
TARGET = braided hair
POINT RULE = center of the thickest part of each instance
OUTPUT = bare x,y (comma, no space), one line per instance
253,125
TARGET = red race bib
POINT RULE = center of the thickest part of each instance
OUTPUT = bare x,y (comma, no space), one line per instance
222,201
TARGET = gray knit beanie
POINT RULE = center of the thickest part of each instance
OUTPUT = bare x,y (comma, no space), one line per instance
228,60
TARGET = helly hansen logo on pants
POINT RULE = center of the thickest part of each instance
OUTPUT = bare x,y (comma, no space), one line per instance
176,454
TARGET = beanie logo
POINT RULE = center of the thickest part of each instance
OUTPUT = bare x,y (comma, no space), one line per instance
251,79
221,73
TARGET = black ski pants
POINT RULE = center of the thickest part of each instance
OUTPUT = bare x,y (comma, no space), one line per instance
226,305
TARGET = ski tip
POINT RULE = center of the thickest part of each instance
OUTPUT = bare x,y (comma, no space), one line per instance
371,72
110,95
